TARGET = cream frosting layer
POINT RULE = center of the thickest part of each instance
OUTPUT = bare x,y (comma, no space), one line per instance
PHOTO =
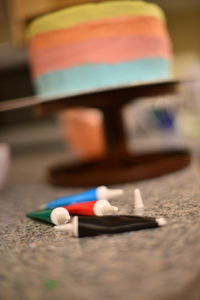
70,17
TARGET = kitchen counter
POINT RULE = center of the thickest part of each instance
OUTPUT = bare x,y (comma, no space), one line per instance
155,264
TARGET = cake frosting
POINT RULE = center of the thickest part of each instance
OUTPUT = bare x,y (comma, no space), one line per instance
98,45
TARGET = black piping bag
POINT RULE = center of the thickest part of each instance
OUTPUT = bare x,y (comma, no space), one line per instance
82,226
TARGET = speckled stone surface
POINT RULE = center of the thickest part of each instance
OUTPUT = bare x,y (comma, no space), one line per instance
157,264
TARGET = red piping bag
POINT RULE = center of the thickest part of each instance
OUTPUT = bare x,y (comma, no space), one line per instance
92,208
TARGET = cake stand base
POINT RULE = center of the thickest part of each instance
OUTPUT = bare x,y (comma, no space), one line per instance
132,168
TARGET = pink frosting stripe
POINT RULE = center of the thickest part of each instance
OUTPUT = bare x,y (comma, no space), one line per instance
105,50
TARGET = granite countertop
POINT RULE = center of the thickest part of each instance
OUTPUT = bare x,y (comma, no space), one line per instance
157,264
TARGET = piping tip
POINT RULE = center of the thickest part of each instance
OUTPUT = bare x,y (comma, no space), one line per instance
64,228
60,215
161,221
138,203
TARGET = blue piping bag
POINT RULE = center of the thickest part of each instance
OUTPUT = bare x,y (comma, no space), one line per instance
99,193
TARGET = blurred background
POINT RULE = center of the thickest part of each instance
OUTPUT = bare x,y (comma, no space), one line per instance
160,122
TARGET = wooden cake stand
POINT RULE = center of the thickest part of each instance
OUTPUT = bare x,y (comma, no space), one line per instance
118,166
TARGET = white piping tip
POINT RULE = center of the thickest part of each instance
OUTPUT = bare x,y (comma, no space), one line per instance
139,211
65,228
103,208
138,199
138,203
105,193
60,215
71,228
161,221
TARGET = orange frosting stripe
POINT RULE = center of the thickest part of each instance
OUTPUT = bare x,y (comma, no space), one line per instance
105,50
120,26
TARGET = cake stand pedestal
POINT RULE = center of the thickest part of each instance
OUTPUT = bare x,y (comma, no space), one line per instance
118,166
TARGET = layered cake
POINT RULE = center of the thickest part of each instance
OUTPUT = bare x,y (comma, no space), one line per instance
98,46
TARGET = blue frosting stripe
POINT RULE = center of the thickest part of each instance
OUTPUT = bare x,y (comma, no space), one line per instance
92,76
